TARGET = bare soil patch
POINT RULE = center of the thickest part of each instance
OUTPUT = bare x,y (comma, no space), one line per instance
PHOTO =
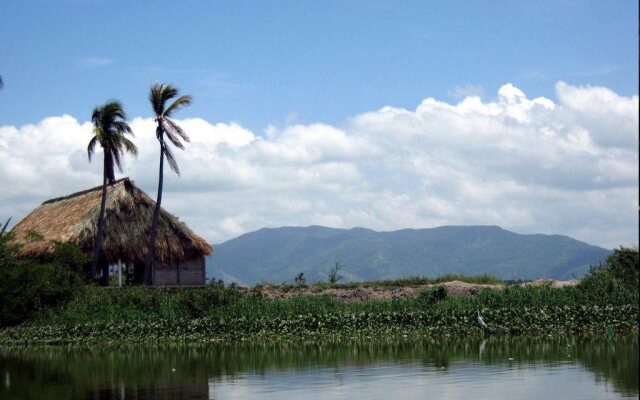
363,293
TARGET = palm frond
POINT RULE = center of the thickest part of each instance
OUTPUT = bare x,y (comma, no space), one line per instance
177,130
159,94
129,146
91,147
180,102
171,160
110,126
4,228
117,158
173,138
122,127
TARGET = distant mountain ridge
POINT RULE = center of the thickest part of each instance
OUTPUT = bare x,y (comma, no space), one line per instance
276,255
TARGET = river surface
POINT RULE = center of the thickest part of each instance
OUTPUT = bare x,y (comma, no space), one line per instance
573,367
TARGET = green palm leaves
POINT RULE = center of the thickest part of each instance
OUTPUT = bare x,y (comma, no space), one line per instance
109,130
159,96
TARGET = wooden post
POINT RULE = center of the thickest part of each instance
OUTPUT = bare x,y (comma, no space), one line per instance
178,274
119,273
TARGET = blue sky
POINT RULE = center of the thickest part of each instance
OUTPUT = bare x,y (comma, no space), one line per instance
263,63
379,114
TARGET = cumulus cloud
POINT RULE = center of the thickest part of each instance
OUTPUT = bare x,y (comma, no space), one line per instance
532,165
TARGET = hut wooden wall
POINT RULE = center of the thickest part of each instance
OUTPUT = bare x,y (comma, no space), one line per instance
188,273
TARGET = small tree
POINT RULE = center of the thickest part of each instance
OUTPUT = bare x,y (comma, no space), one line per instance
300,279
624,264
334,277
616,279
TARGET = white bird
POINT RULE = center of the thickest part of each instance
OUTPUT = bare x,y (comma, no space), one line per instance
480,320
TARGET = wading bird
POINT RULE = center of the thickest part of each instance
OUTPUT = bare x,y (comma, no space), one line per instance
480,320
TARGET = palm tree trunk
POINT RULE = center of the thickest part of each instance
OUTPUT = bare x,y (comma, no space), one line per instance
98,242
149,267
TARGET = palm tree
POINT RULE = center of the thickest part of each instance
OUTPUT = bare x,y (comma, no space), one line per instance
159,95
109,130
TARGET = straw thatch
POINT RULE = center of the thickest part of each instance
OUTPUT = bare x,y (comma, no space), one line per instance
129,210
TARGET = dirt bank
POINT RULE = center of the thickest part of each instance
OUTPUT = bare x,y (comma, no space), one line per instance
362,293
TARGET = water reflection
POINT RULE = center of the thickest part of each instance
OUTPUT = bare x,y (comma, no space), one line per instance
406,368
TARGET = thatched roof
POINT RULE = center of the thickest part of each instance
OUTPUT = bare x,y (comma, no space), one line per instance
129,210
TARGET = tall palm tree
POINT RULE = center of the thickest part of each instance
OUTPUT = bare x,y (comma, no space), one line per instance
109,130
159,95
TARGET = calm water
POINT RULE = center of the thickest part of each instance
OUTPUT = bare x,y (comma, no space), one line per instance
508,368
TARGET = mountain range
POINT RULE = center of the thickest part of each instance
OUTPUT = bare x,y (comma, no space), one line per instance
277,255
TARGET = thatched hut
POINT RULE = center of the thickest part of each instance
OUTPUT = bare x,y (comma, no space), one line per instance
180,253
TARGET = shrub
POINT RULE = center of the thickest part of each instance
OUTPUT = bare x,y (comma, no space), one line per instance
30,286
334,277
70,255
432,295
624,265
615,280
198,301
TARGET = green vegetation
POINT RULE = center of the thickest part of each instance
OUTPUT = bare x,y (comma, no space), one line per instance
604,300
432,296
619,274
30,287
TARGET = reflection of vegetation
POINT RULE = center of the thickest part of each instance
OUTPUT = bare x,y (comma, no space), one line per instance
77,369
614,360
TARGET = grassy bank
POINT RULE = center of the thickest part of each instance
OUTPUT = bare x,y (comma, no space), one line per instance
605,300
143,314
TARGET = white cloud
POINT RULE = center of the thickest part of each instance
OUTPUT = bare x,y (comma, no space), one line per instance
531,165
464,91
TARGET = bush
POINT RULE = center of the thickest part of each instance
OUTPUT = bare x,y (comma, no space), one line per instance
30,286
616,279
432,295
624,265
197,302
70,255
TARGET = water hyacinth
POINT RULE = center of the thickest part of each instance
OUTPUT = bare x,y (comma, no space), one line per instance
231,314
501,321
